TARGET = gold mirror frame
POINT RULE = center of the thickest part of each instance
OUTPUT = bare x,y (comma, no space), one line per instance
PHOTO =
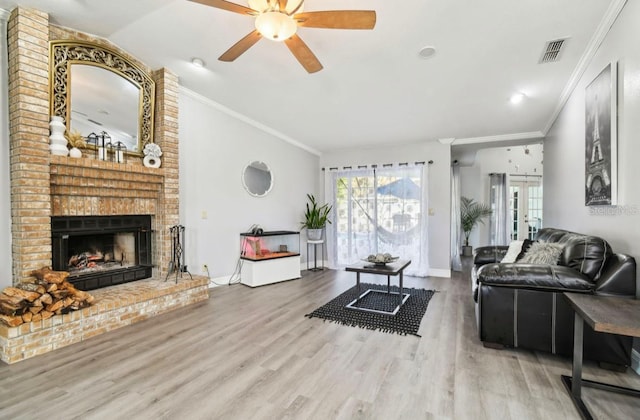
64,53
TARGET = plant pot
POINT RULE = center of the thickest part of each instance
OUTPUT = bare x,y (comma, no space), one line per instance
467,250
314,234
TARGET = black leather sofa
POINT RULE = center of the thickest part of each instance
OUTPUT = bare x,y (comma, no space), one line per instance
521,305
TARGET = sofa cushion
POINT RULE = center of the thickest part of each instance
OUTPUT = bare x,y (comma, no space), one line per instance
534,276
526,244
515,247
543,253
587,254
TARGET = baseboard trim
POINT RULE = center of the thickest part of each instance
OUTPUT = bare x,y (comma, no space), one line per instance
438,272
635,361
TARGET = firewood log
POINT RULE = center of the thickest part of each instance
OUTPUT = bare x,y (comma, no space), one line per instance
39,274
37,317
12,321
35,309
13,300
25,294
45,299
67,301
56,277
27,316
51,287
46,314
59,294
41,289
31,287
54,306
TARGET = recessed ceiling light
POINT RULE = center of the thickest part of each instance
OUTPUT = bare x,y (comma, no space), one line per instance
516,98
197,62
427,52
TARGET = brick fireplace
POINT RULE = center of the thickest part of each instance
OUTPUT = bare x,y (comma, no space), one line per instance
45,186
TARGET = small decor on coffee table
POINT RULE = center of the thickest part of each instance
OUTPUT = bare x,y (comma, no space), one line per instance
380,259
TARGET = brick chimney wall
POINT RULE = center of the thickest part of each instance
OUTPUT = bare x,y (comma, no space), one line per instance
43,185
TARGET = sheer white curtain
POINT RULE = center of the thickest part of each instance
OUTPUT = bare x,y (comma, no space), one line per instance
378,210
456,228
499,221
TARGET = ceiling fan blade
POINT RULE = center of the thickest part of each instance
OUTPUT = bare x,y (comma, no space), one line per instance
303,54
225,5
338,19
241,46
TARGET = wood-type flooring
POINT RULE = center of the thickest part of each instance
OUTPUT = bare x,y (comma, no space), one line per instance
250,353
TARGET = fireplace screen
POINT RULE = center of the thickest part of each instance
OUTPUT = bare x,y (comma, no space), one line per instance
100,251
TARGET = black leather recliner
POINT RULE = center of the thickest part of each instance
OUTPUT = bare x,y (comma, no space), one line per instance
521,305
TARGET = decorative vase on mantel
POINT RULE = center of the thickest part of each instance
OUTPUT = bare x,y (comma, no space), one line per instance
74,152
57,140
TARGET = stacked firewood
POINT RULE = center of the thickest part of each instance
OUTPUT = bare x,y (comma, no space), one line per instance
50,294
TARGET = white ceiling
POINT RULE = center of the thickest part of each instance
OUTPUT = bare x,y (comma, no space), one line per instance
374,88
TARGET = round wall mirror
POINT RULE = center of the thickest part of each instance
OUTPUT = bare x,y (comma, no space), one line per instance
257,178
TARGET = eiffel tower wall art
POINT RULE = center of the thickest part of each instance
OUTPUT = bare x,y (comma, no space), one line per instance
601,139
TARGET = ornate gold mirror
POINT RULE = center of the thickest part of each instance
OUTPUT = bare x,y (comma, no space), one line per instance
95,88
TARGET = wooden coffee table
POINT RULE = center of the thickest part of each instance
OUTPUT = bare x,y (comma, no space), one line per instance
391,269
604,314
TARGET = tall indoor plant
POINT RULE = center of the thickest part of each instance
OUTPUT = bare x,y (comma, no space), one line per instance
315,218
471,213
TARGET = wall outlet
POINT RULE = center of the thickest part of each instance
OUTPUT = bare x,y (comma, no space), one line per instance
205,268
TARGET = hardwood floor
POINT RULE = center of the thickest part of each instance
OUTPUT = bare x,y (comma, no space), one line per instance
251,354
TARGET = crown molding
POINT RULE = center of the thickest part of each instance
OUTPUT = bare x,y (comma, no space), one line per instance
605,25
4,14
533,135
230,112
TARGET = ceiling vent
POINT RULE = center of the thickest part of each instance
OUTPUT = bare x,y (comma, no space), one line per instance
552,51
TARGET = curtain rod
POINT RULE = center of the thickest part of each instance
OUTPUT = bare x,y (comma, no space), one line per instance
384,165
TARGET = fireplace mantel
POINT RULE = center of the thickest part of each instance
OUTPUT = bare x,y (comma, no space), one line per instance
84,187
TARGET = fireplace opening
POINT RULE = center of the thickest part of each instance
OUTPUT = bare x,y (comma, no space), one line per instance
100,251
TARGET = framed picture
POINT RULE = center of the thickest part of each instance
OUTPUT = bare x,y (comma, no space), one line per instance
601,172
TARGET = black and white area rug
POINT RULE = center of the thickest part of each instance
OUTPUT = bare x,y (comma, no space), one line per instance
406,321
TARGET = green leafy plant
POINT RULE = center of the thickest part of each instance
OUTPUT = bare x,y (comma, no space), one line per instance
472,213
315,216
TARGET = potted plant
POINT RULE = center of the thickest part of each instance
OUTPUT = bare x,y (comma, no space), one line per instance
471,213
315,218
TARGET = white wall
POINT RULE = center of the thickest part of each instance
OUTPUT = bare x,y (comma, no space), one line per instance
564,163
439,189
214,206
5,190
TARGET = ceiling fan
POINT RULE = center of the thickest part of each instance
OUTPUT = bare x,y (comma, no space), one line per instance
278,20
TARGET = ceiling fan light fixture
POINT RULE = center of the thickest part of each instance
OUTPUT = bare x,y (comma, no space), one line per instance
276,26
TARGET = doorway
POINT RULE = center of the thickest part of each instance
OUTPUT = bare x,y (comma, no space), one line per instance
525,204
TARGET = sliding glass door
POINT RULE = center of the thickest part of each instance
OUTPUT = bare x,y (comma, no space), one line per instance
381,211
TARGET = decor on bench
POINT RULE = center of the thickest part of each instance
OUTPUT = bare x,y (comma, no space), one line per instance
406,321
521,303
51,294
